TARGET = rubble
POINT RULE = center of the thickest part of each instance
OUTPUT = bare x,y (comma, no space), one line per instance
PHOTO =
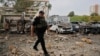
1,37
49,46
29,41
57,45
72,54
81,44
11,47
21,40
73,47
14,51
6,38
89,41
84,39
61,38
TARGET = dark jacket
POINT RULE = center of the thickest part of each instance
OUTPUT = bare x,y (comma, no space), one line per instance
39,24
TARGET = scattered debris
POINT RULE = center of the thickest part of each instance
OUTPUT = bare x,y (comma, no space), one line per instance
29,41
73,47
49,46
1,37
22,39
72,54
6,38
84,39
82,55
61,38
81,44
13,49
57,45
89,41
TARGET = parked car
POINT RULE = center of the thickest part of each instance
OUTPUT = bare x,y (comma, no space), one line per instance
61,29
93,28
75,26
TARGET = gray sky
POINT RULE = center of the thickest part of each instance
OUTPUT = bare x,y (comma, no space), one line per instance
80,7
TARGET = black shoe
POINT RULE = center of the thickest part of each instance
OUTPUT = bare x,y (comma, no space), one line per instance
35,48
46,54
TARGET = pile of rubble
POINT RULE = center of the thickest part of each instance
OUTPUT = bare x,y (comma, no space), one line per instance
57,45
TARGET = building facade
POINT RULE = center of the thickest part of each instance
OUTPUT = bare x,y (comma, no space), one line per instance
31,11
95,9
56,19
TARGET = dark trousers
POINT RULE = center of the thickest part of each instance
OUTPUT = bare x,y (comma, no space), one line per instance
40,34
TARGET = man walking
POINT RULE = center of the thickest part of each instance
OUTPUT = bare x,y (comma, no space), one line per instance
39,26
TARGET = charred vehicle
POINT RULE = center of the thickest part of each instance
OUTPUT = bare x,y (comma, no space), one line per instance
92,27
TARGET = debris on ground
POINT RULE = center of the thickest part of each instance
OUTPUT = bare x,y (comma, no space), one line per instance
81,44
21,40
56,44
29,41
89,41
6,38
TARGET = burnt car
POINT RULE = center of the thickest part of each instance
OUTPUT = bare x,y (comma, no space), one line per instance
93,28
75,26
